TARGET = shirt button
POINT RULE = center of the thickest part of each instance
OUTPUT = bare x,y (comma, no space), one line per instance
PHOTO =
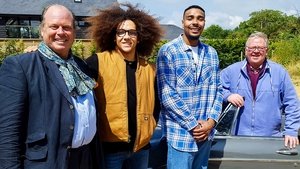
71,106
73,94
71,127
68,147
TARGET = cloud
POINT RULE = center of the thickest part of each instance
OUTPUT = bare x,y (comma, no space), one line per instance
224,20
227,14
292,12
172,22
235,21
173,18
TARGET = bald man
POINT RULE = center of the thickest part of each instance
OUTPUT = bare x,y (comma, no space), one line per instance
47,110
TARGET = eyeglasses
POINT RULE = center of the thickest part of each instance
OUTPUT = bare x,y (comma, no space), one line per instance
122,32
252,49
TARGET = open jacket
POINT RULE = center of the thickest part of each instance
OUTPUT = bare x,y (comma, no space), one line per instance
36,113
275,98
112,99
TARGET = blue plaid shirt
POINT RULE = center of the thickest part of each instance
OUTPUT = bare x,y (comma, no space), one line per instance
188,91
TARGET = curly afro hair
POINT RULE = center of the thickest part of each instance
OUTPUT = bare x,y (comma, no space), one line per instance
103,27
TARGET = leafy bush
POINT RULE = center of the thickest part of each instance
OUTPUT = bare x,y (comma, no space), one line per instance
154,54
11,47
229,50
84,49
78,49
93,48
286,52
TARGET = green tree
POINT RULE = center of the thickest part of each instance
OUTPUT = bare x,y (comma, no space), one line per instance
291,28
229,50
215,32
157,46
274,23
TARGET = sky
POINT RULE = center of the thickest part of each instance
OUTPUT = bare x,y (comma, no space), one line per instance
225,13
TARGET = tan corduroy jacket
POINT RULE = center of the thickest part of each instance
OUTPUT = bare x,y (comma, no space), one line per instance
112,99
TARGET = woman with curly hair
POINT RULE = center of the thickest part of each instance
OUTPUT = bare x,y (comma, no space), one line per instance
126,92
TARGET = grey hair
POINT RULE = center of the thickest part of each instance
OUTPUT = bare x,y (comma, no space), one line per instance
258,35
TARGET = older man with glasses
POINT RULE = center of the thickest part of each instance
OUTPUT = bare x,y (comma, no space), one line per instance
264,91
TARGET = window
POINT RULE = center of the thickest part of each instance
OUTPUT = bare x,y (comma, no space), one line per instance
82,24
227,120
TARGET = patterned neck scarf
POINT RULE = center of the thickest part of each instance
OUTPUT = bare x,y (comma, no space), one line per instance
75,79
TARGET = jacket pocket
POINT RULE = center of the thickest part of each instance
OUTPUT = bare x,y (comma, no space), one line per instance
36,146
146,128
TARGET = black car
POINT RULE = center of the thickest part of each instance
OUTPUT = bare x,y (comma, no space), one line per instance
234,152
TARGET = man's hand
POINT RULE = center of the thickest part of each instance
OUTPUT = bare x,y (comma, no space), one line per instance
236,99
30,49
290,141
201,132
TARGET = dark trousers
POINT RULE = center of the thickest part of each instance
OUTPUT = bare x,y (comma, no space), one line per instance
87,157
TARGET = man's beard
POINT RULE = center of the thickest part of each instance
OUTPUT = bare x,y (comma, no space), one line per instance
194,37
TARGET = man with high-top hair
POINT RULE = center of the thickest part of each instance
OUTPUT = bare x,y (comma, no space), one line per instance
190,93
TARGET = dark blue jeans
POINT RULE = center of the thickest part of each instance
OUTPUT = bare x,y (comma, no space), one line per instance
127,159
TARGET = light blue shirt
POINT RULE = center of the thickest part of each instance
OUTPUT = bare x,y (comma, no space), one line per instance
188,92
85,119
